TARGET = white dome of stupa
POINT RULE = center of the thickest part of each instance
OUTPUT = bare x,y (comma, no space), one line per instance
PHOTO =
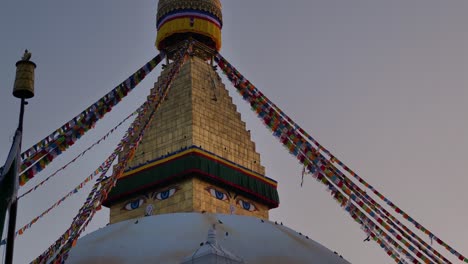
174,238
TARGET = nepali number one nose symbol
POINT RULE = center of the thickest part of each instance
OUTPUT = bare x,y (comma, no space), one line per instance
149,210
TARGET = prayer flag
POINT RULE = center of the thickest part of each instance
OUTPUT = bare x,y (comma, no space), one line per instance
9,179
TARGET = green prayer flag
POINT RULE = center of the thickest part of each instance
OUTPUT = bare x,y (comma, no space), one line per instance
9,179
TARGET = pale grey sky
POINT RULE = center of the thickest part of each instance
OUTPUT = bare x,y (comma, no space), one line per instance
382,84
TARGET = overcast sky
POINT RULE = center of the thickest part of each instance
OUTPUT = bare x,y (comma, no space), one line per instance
381,84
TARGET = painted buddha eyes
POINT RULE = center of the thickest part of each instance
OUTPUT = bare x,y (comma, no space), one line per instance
134,204
161,196
218,194
137,203
226,197
165,194
246,205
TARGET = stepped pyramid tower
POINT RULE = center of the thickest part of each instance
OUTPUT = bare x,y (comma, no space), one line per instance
197,155
195,191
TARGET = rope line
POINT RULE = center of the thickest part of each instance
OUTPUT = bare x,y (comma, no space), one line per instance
58,252
241,83
36,158
74,190
78,156
390,219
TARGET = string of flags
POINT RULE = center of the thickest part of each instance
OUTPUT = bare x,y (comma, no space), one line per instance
396,209
383,240
373,231
375,234
292,148
373,208
361,180
58,252
290,134
78,156
398,241
103,167
283,130
36,158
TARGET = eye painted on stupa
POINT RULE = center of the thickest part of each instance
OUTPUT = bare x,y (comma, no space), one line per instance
165,194
246,205
217,194
135,204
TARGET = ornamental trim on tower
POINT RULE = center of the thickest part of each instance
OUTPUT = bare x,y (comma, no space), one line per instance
178,20
212,6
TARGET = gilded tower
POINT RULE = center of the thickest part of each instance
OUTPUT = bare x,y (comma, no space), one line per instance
197,155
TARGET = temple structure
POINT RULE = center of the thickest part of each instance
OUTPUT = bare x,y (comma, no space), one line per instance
197,155
196,191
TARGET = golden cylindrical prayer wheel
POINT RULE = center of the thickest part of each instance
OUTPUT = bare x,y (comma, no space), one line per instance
24,81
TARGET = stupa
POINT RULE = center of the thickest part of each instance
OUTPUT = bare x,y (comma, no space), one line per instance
196,191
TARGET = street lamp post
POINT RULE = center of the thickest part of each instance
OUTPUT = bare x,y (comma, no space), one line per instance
23,89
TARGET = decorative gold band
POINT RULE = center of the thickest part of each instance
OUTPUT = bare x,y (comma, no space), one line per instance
185,24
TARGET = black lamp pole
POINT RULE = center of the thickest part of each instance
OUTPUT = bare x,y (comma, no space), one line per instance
23,89
14,205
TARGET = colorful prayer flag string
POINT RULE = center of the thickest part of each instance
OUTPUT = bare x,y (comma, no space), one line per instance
239,77
41,154
390,219
244,87
78,156
58,252
75,190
